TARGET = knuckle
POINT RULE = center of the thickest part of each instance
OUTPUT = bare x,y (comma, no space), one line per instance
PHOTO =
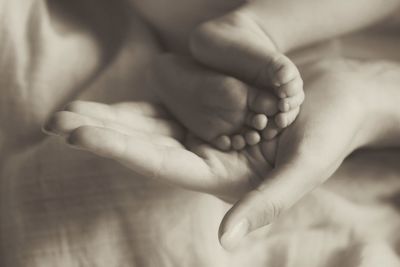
271,208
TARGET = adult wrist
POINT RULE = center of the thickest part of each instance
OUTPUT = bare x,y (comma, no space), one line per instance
381,96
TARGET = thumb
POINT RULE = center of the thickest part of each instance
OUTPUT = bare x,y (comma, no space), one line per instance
260,207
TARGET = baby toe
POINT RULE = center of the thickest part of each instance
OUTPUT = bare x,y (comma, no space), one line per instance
252,138
284,72
238,142
258,121
291,88
290,103
284,119
223,142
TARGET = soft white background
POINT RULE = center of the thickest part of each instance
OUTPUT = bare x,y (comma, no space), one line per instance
61,207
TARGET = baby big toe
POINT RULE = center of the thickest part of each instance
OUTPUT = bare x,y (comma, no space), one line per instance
289,103
257,121
284,119
291,88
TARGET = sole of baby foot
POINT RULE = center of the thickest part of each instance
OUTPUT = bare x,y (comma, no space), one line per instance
254,57
211,105
263,102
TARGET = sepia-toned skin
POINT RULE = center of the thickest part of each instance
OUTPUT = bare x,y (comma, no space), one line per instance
247,48
283,91
305,153
218,43
21,105
271,29
212,105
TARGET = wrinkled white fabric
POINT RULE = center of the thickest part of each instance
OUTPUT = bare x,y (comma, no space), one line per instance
64,208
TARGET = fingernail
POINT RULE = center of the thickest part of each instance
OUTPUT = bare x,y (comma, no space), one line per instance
232,237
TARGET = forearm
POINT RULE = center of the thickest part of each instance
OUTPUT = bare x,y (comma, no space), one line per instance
296,23
383,104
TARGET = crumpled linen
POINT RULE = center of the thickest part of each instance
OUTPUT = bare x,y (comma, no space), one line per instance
65,208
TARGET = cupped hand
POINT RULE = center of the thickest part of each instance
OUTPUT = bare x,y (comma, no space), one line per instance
333,122
143,137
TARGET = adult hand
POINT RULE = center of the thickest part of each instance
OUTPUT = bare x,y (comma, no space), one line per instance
143,137
333,122
330,126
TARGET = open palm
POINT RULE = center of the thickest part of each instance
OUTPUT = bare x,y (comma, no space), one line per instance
143,137
332,124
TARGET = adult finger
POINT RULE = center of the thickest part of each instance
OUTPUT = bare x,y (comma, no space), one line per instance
172,163
285,185
118,111
63,122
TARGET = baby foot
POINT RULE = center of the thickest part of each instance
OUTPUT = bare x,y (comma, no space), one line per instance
236,44
217,108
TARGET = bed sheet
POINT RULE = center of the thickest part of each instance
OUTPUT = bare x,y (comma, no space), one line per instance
66,208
